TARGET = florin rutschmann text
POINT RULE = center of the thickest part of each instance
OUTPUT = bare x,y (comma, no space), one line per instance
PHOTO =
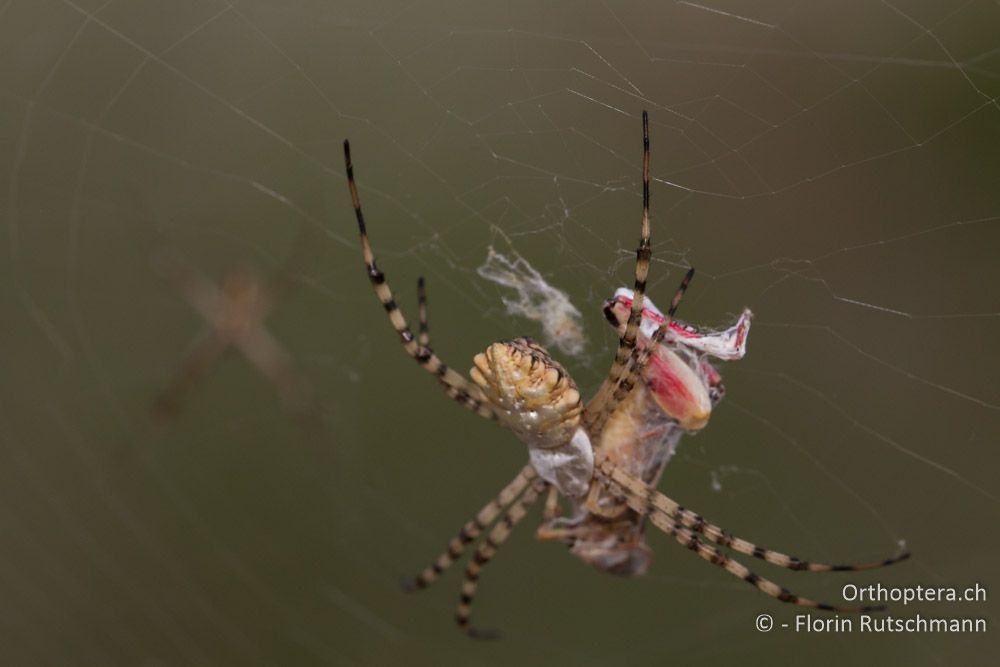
885,623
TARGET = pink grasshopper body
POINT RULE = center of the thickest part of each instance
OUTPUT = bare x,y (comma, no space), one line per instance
679,389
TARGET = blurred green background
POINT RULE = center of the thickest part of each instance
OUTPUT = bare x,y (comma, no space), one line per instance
833,166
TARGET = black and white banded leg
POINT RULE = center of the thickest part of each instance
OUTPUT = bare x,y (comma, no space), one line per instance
455,384
472,529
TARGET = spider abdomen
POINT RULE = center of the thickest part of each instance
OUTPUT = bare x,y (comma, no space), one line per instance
535,397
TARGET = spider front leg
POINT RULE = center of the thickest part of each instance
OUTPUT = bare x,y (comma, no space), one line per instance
626,344
690,406
456,386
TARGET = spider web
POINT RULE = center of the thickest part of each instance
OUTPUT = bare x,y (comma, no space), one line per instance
831,165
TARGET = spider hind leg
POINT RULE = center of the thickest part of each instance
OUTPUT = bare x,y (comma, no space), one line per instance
471,531
484,554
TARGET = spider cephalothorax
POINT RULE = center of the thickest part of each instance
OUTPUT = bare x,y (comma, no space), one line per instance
605,456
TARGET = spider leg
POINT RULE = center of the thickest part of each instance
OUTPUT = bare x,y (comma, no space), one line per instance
456,386
639,366
275,363
205,352
550,513
485,553
471,530
638,361
552,509
425,337
647,501
593,505
712,554
642,254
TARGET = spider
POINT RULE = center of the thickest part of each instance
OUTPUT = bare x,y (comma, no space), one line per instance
607,456
235,313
